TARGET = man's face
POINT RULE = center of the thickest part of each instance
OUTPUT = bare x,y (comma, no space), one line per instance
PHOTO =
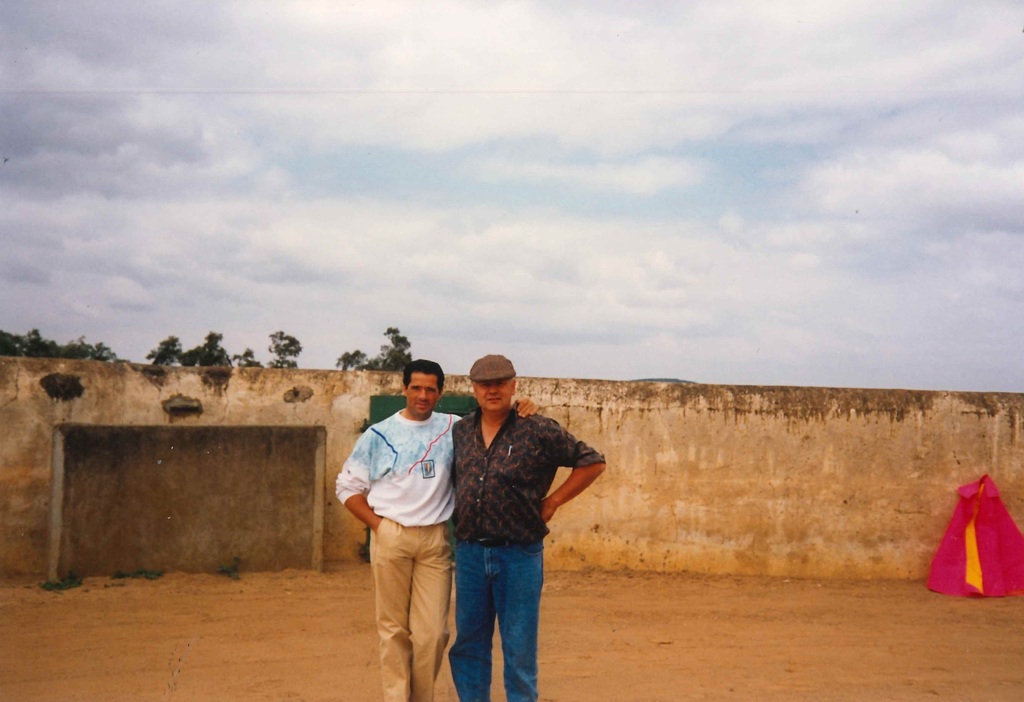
495,395
421,395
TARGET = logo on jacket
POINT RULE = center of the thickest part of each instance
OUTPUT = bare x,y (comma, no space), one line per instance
428,468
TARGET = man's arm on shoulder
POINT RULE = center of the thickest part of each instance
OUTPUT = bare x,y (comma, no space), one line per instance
579,480
526,407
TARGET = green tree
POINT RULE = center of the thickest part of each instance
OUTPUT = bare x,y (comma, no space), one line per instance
10,344
209,353
285,349
167,353
247,359
35,345
351,360
392,356
79,348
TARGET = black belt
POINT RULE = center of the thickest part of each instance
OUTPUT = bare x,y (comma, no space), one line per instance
494,543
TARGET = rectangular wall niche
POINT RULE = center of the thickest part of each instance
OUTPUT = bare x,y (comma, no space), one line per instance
186,499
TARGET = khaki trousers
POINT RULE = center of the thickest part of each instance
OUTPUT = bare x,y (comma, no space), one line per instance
412,579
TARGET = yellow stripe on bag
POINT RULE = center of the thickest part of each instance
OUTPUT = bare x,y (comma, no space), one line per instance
973,572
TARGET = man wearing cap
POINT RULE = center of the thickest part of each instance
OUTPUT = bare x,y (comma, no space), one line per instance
504,466
398,481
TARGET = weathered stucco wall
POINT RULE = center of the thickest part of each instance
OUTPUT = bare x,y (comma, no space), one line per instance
718,479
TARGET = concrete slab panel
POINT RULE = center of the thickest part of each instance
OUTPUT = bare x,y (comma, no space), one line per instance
186,499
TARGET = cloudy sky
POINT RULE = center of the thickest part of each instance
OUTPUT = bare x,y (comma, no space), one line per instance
766,193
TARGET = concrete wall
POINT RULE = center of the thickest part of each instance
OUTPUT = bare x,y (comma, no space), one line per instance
718,479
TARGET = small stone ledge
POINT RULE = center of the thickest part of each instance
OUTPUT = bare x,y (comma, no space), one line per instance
180,406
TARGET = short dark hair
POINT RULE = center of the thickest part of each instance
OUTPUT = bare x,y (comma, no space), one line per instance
422,365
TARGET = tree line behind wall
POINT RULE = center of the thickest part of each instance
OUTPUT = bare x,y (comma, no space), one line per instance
284,350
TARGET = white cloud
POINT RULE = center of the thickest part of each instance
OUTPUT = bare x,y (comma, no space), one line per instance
735,192
122,292
643,177
927,187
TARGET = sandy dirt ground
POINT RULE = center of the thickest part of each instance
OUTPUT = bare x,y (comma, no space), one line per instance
304,636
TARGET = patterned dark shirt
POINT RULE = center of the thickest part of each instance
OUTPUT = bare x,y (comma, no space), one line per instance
498,490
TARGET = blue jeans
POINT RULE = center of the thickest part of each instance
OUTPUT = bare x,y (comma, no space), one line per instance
503,582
